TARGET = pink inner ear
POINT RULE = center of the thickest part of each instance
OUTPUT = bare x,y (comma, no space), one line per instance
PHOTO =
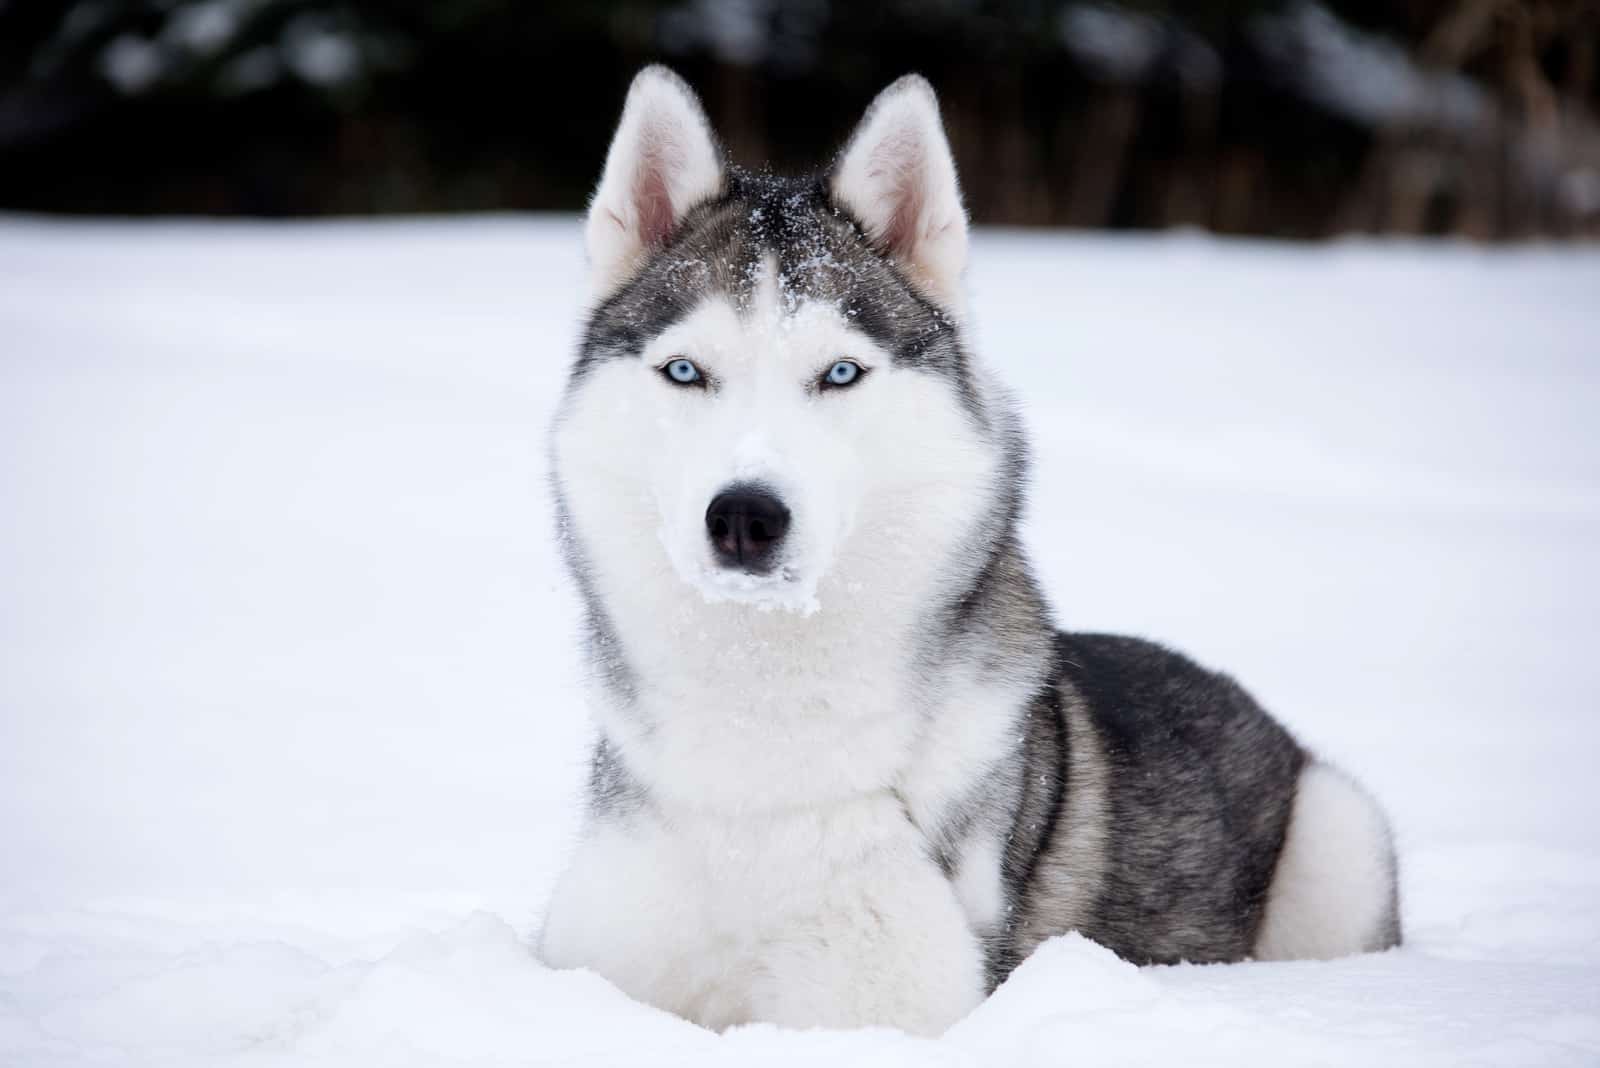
652,204
905,223
899,166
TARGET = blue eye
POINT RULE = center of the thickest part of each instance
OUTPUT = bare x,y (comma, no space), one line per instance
843,373
682,371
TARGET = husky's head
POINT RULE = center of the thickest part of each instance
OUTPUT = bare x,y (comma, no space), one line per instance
772,405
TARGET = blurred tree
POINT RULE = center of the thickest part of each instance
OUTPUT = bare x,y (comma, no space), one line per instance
1259,116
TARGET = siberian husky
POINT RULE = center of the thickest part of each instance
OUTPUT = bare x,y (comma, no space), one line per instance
847,771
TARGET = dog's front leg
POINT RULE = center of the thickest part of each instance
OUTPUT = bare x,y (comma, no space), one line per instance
888,945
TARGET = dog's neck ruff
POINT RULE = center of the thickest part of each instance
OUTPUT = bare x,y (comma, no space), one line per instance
734,706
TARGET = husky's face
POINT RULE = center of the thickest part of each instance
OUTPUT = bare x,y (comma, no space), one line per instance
771,393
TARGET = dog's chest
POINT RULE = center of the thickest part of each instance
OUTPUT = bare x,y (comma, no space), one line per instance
743,738
770,725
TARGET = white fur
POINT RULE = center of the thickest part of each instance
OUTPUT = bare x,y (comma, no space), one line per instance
898,177
979,884
1330,895
779,873
663,160
821,915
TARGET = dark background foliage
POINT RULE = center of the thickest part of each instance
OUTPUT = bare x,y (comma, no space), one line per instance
1474,117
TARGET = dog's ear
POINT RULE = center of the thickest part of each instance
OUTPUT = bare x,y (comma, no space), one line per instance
897,177
663,161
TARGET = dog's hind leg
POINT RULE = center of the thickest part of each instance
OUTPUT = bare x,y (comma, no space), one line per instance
1334,891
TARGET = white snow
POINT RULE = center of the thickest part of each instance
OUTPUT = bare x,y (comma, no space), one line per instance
290,727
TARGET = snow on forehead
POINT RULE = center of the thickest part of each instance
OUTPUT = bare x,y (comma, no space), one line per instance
774,300
775,232
807,244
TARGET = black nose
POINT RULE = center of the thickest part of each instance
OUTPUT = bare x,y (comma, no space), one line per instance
745,523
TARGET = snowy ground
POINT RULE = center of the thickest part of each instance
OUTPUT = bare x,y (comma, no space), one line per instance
290,727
